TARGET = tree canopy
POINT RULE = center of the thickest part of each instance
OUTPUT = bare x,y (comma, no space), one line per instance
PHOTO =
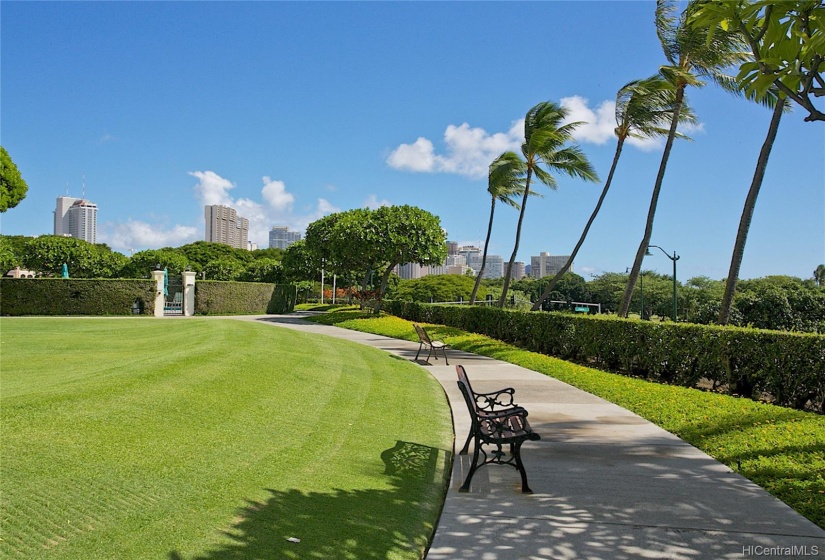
13,188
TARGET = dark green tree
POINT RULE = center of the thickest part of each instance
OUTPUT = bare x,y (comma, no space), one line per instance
13,188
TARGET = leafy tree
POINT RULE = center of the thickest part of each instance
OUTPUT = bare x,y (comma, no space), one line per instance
437,288
547,144
201,253
692,54
786,39
224,268
273,253
409,235
263,270
13,188
298,264
47,253
142,263
607,289
643,109
8,259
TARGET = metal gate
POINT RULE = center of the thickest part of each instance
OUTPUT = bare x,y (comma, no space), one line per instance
174,297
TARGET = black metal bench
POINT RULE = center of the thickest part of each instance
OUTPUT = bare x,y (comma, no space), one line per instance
496,420
433,345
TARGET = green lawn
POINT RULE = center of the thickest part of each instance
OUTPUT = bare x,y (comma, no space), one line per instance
213,439
780,449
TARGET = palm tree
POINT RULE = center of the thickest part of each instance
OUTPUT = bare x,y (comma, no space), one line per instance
747,212
545,144
643,109
693,53
505,180
819,275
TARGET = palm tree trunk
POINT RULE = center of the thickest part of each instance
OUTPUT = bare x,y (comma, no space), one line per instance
566,267
518,238
654,200
484,254
747,215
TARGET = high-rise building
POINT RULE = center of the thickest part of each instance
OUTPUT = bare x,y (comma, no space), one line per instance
223,225
518,271
548,265
280,237
493,267
76,217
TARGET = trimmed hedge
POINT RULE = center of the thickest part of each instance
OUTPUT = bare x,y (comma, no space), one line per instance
214,297
90,296
75,296
790,367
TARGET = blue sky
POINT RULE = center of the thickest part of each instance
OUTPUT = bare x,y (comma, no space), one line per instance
291,110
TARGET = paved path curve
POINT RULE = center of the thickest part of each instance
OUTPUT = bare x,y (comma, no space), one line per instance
607,483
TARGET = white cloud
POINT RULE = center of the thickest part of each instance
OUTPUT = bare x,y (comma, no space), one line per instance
373,202
212,188
469,151
139,235
274,208
274,193
599,123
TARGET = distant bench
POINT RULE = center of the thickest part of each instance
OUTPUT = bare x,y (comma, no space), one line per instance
433,345
496,420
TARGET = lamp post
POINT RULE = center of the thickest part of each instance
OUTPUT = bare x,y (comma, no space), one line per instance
673,258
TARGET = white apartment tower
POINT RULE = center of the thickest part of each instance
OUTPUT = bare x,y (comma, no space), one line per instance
76,217
223,225
280,237
547,265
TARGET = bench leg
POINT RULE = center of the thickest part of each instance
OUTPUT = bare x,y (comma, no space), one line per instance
466,443
516,451
444,351
430,353
420,345
473,468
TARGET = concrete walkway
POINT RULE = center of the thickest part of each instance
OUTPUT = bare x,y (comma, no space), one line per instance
607,484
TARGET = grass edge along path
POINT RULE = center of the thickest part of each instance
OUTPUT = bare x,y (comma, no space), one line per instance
780,449
208,439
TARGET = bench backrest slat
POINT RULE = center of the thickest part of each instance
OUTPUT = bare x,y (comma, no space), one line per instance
422,334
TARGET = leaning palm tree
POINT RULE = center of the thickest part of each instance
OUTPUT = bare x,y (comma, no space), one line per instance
750,205
505,181
644,108
693,54
548,143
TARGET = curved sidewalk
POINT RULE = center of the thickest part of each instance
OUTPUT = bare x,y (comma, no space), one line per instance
607,483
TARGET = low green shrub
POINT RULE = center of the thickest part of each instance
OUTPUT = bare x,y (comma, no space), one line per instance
76,296
787,367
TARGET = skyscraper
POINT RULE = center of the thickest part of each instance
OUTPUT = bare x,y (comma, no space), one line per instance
76,217
223,225
280,237
547,265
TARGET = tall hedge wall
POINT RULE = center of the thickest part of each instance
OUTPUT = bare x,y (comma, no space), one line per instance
219,298
750,362
75,296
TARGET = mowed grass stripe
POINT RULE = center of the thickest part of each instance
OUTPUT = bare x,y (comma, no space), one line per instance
160,437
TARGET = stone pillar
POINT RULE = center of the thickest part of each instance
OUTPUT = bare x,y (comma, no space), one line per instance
189,293
160,300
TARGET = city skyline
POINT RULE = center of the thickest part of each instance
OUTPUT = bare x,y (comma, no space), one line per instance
305,109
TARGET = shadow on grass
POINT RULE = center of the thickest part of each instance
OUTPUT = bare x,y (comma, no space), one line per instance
352,524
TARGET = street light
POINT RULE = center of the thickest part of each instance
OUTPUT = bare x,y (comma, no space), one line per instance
673,258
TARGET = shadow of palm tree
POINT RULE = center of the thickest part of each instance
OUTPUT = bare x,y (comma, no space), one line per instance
349,524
